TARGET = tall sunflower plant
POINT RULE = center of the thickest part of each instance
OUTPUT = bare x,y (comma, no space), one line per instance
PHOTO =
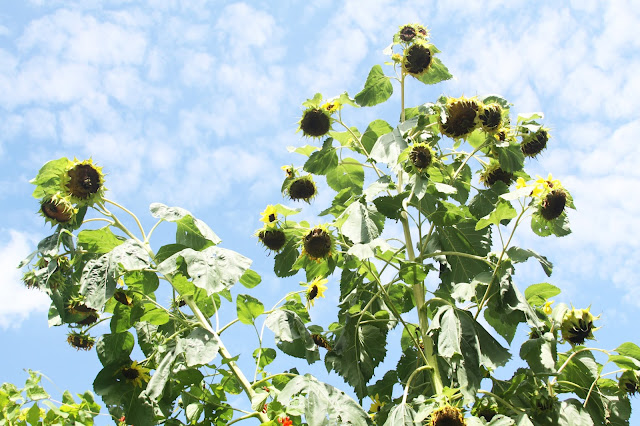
451,173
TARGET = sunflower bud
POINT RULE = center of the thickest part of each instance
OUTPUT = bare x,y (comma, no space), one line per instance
577,326
447,416
315,122
534,143
417,58
629,382
461,117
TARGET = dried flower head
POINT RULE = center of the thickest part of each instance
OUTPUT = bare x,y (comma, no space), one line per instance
491,117
80,340
534,143
460,117
417,58
447,416
315,122
493,173
273,239
302,188
317,244
57,209
84,182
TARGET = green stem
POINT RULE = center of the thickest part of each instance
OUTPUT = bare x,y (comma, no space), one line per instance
410,379
131,214
507,404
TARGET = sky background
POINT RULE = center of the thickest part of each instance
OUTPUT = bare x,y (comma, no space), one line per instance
194,104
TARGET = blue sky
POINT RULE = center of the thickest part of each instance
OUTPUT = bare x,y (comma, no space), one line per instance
194,103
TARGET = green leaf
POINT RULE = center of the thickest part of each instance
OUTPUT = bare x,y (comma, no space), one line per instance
447,324
248,308
388,148
437,72
323,404
99,241
537,294
511,158
446,214
167,251
266,355
359,349
518,254
540,354
573,414
114,348
413,273
361,224
348,174
286,211
48,181
213,269
143,281
292,337
485,200
200,347
558,227
629,349
154,315
283,261
503,212
402,415
376,129
156,384
250,279
321,162
304,150
390,206
377,88
191,232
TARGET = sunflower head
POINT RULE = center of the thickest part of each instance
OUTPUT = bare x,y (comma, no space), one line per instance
421,156
57,209
485,408
447,416
30,280
83,182
319,340
331,106
534,143
629,382
302,188
461,117
493,173
80,340
315,122
417,58
577,326
376,405
272,238
407,33
134,374
553,204
317,244
315,289
269,216
491,117
82,314
123,296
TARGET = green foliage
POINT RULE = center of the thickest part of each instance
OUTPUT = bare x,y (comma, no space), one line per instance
411,241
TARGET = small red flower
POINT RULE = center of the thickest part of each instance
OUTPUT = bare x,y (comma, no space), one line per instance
285,421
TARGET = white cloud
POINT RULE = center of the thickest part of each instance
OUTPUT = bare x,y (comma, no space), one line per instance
16,301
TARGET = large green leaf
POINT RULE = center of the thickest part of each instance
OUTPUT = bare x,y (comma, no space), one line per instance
501,215
437,72
348,174
323,404
540,354
376,129
199,347
114,348
517,254
248,308
377,88
558,227
360,223
48,181
213,269
99,241
191,232
321,162
401,415
485,200
388,148
538,294
283,261
292,337
359,349
156,384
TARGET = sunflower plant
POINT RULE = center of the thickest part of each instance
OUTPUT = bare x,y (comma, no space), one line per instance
418,238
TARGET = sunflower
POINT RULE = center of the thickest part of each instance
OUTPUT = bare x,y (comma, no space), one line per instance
493,173
134,374
84,182
320,341
269,216
421,156
302,188
547,309
491,117
407,32
315,289
534,143
461,117
417,58
123,296
272,238
315,122
553,204
577,326
331,106
80,340
317,244
629,382
57,209
376,405
447,416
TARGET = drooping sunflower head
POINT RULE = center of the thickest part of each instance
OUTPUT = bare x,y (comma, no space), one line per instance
81,313
577,326
411,32
493,173
553,204
317,244
534,143
407,32
491,117
315,289
319,340
461,117
57,209
123,296
83,182
302,188
80,340
315,122
134,374
417,58
30,280
272,238
629,382
421,156
447,416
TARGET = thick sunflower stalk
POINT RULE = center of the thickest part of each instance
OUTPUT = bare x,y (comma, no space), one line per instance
451,174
